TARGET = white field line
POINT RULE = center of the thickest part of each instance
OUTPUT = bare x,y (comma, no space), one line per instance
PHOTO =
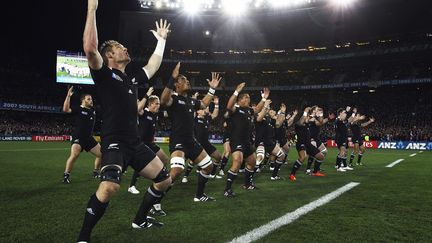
394,163
412,155
32,150
288,218
420,152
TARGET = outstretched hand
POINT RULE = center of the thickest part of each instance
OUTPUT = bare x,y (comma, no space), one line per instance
70,92
92,4
214,83
162,29
265,93
240,87
176,71
150,91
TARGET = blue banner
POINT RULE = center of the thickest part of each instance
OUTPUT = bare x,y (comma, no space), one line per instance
29,107
407,145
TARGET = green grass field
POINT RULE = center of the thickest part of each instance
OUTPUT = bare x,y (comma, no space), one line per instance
389,205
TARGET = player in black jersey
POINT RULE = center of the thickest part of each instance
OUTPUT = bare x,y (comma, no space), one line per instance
241,127
316,121
341,137
120,143
281,136
181,111
357,139
304,146
265,139
226,143
82,135
202,124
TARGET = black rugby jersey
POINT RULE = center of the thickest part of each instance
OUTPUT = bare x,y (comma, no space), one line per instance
241,125
314,130
84,121
341,129
182,116
265,130
202,125
356,130
302,132
147,125
117,94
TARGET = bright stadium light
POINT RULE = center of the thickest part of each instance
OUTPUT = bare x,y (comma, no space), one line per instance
235,7
158,4
192,7
342,3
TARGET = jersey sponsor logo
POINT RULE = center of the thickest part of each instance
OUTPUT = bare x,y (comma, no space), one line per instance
76,141
239,147
242,112
150,118
181,102
178,146
113,146
116,77
84,113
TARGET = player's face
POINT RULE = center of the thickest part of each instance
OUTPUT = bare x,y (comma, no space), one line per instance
183,84
272,113
88,101
244,101
120,54
154,107
343,115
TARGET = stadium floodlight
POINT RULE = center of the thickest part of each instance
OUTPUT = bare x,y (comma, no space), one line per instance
342,3
158,4
192,7
235,7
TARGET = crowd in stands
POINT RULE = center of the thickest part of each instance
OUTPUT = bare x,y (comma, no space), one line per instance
401,113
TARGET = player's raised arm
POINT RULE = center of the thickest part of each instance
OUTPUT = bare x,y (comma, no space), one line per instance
304,116
264,111
233,99
66,103
213,83
280,116
161,33
90,37
166,98
264,95
215,112
143,101
290,118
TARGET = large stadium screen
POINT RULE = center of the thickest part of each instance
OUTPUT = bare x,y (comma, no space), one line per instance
72,68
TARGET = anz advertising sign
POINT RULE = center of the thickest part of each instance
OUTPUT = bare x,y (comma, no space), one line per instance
405,145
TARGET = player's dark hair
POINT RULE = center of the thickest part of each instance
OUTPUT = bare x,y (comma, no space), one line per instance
107,46
152,99
83,96
340,110
241,95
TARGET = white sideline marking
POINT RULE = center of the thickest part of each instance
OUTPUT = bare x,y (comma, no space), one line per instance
420,152
32,150
394,163
288,218
412,155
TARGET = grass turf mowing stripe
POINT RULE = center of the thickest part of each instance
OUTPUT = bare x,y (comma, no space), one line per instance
412,155
288,218
394,163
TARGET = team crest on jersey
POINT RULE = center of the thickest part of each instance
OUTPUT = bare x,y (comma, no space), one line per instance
133,81
115,76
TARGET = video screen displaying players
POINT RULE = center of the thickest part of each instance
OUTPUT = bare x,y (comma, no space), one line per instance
72,68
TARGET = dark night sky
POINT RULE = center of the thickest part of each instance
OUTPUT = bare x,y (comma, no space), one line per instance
41,27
